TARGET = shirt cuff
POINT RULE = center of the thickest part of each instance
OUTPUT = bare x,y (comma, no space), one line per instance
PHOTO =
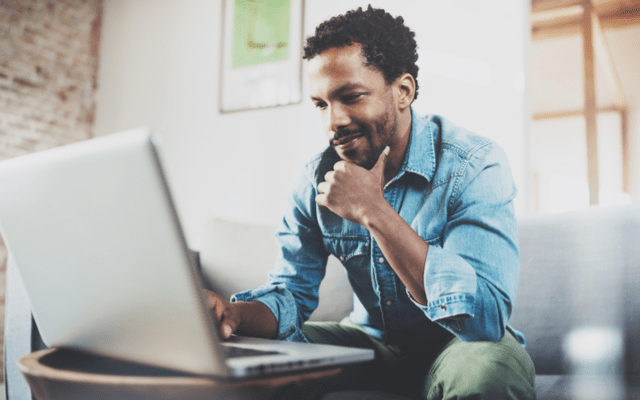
458,305
450,286
283,306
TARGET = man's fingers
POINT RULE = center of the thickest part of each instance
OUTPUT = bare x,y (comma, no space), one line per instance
378,168
222,313
226,321
329,176
227,327
340,166
227,331
321,199
212,298
323,187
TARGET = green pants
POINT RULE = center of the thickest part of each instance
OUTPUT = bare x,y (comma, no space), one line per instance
453,370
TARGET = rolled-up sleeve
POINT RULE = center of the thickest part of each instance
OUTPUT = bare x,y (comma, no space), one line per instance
281,303
292,290
471,278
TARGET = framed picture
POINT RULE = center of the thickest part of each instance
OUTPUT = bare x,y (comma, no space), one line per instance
261,54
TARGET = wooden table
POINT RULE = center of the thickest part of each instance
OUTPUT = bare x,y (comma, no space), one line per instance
56,374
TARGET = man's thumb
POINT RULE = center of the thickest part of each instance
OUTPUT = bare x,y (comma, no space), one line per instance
378,169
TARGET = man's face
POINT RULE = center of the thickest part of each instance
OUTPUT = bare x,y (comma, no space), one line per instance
357,105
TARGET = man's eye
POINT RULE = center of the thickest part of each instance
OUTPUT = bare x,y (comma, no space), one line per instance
321,106
351,98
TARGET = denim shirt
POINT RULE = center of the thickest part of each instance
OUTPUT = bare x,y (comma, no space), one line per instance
455,189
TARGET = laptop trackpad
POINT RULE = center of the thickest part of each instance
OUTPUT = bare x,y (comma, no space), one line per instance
231,351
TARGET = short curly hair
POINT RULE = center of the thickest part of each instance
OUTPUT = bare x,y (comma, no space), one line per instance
388,45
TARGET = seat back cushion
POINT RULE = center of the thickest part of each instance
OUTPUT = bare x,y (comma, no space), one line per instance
237,256
578,269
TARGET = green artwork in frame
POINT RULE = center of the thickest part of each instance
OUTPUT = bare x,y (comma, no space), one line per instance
261,60
261,32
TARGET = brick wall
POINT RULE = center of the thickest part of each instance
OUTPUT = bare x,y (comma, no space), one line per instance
48,78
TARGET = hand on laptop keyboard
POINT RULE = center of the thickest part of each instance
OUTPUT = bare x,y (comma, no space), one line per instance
245,318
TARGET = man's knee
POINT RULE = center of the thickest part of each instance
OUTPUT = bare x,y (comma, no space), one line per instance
481,370
492,379
335,333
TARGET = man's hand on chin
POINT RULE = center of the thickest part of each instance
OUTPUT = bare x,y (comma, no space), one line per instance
352,192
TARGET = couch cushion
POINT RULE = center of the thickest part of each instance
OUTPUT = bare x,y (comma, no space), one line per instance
552,386
362,395
237,256
578,268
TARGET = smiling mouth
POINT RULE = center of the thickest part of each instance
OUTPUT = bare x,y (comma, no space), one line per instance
345,139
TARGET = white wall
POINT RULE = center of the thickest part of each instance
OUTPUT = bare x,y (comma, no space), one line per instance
159,67
557,85
633,121
624,45
558,161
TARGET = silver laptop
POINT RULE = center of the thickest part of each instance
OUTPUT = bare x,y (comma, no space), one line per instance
99,247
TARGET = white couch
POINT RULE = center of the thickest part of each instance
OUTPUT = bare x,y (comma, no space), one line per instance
577,268
240,255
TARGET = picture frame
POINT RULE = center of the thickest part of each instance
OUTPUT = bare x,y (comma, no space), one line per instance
261,61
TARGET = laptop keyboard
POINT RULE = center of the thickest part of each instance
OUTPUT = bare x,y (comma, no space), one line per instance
233,352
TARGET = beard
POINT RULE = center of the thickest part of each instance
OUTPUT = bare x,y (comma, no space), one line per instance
384,129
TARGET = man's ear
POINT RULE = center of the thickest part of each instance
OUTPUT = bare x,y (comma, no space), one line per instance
406,86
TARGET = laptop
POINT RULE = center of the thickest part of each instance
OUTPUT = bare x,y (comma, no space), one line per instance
96,239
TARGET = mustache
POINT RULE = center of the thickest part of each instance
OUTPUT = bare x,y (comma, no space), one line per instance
344,132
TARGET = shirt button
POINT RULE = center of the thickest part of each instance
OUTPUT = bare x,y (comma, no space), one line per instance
381,260
389,302
443,307
341,258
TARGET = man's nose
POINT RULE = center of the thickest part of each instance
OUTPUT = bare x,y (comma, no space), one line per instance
338,118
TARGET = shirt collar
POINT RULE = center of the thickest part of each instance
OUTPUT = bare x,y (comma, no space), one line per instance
421,155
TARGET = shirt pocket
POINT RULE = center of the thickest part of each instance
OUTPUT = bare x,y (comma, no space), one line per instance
431,234
429,224
354,254
350,251
434,241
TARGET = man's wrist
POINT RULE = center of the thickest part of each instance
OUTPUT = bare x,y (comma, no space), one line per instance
376,216
244,310
255,319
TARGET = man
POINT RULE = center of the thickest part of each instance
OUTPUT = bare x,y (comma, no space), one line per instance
420,213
